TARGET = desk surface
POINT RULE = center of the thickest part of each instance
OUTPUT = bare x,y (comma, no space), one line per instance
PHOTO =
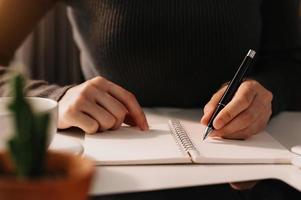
286,128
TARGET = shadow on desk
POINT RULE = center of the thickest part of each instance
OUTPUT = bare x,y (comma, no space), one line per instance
222,191
264,190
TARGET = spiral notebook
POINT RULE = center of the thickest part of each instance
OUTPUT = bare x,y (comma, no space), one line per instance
180,142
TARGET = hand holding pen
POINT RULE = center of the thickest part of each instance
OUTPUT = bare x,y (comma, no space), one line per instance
243,114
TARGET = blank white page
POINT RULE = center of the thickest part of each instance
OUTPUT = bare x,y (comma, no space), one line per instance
260,148
129,145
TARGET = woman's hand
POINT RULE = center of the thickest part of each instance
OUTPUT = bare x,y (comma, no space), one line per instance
99,105
247,185
245,115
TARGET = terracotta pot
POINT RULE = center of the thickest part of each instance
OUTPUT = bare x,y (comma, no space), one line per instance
72,183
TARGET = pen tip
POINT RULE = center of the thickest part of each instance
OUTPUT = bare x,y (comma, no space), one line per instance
208,130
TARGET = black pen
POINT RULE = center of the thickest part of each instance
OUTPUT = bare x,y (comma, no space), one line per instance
231,89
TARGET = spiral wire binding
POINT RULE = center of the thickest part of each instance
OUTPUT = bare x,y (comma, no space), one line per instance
181,135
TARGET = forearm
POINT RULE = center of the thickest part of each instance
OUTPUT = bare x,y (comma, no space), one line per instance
17,20
43,89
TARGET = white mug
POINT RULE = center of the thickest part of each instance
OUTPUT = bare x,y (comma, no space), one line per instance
39,105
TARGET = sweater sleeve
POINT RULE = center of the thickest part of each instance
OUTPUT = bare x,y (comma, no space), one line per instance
35,88
278,65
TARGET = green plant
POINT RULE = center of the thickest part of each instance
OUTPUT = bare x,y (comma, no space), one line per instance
28,146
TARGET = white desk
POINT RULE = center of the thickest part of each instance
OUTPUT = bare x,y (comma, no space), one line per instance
120,179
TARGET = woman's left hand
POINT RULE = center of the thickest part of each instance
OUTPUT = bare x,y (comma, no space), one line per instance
247,185
245,115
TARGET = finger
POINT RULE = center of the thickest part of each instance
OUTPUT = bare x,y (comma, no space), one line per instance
100,83
84,122
129,120
211,105
132,105
104,118
106,101
125,97
241,101
244,119
243,185
253,129
112,105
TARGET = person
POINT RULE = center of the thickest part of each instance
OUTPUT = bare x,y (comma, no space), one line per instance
174,53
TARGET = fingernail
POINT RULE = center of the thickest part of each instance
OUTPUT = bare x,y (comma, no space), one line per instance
201,120
218,124
145,126
205,108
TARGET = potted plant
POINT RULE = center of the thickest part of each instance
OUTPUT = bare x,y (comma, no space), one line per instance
27,169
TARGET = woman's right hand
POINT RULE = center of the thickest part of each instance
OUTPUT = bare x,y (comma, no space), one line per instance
99,105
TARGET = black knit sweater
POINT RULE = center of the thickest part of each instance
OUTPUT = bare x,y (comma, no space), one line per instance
179,52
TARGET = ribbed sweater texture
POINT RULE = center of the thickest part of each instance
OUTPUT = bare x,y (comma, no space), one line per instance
169,52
